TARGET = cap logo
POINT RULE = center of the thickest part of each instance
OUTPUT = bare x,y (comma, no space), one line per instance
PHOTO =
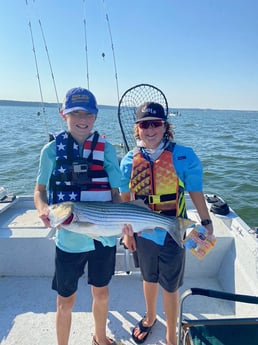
149,110
80,98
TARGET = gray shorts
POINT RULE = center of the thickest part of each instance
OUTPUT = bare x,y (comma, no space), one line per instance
69,267
161,264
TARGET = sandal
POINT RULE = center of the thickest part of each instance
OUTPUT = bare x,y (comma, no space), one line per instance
94,342
143,329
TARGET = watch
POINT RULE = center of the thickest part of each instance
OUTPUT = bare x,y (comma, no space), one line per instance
206,222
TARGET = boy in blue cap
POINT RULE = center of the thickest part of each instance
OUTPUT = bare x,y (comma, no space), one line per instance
79,165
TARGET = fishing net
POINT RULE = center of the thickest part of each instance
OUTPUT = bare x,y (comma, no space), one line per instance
128,105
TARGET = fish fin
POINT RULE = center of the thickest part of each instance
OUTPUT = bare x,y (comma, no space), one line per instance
175,234
185,223
83,224
140,203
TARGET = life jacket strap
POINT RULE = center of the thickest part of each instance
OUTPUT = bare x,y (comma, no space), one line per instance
156,199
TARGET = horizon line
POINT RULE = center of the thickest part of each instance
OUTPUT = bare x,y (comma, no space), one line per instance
39,103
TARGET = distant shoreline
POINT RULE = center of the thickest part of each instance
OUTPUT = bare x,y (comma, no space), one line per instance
54,105
35,104
26,103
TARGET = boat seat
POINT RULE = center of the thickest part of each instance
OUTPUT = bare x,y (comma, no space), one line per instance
223,331
220,332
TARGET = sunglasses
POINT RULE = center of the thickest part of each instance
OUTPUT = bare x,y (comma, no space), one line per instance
152,123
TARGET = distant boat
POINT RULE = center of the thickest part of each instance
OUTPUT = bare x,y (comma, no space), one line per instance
176,113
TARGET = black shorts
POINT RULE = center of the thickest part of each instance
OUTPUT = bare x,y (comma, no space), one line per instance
161,264
69,267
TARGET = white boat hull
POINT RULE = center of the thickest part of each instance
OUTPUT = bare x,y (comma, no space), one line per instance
27,264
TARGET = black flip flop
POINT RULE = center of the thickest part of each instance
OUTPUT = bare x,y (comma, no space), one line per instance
143,329
94,342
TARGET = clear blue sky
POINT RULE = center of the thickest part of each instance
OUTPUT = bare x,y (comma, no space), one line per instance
201,53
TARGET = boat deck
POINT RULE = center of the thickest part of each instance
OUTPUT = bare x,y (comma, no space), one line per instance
27,310
27,304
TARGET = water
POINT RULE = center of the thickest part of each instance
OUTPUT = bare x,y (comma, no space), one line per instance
226,142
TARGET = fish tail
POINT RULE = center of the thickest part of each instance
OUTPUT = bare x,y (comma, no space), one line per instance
177,232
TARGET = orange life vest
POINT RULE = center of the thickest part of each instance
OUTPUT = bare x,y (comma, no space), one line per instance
157,183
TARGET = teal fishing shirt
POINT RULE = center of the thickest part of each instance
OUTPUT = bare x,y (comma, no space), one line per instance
66,240
188,168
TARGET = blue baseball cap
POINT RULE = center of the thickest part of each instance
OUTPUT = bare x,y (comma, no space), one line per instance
79,99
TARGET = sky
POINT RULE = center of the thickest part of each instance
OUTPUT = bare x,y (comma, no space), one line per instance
200,53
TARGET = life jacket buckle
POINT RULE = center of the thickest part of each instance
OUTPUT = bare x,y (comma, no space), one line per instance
153,199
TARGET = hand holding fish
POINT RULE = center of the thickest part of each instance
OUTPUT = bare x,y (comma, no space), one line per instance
127,230
43,215
129,243
128,238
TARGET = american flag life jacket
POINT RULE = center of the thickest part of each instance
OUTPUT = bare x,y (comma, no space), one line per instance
157,183
79,178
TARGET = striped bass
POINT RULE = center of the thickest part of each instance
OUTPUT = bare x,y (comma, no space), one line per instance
97,219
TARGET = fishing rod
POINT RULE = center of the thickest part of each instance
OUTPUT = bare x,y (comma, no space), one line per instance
49,62
37,70
86,45
113,49
103,55
50,67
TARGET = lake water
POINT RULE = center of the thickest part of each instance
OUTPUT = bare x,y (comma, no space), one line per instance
225,141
